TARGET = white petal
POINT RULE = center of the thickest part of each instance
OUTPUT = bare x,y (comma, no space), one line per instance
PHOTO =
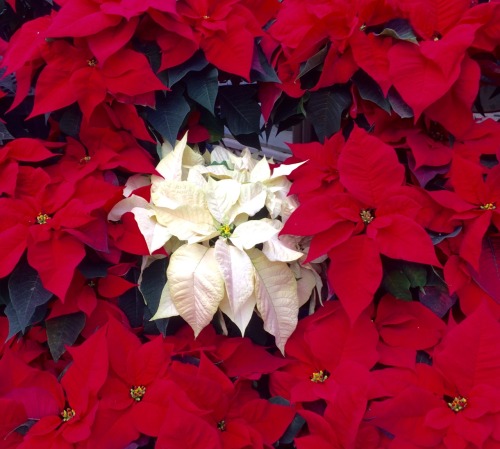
126,205
166,308
251,233
196,284
285,169
135,182
276,293
238,273
221,197
261,171
252,198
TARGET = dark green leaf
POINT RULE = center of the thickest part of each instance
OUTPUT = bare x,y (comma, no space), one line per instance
70,121
325,108
168,117
5,133
202,87
399,29
399,106
249,140
24,427
26,293
398,285
438,237
154,279
194,64
240,109
436,296
15,327
63,331
92,269
369,90
132,301
416,274
313,62
488,274
213,124
261,69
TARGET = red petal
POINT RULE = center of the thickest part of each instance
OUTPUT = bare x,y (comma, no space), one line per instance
369,168
358,255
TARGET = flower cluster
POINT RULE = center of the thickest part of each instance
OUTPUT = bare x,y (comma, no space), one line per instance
209,214
345,299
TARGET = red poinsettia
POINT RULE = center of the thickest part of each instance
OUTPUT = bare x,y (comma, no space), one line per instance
54,220
329,360
108,26
474,200
455,402
21,150
230,416
76,399
377,215
405,327
225,30
73,74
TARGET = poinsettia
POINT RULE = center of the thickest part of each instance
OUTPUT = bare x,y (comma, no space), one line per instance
454,402
73,74
376,215
474,201
329,360
195,203
230,416
53,221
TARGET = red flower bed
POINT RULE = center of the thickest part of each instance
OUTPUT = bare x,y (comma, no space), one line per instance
394,207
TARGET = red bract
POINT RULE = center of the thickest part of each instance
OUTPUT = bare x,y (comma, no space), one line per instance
232,416
73,74
20,150
108,26
377,216
474,201
136,393
102,149
54,221
404,328
225,30
76,399
329,360
454,403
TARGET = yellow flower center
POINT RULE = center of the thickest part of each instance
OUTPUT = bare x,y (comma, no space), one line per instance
226,230
221,425
92,62
458,404
488,206
85,159
319,376
366,216
137,393
206,17
42,218
67,414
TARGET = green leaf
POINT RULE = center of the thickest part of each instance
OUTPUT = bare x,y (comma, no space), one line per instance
132,302
438,237
399,29
92,269
398,285
63,331
399,106
202,87
401,276
261,69
168,117
240,109
154,279
15,327
70,121
196,63
313,62
26,293
325,108
369,90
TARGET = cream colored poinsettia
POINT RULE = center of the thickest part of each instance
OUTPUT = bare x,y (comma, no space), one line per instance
203,208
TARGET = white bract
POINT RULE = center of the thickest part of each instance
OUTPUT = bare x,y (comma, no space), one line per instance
215,211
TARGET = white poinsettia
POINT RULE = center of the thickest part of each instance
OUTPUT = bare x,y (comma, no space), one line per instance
220,214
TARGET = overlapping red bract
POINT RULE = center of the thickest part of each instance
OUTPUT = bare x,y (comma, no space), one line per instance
367,372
